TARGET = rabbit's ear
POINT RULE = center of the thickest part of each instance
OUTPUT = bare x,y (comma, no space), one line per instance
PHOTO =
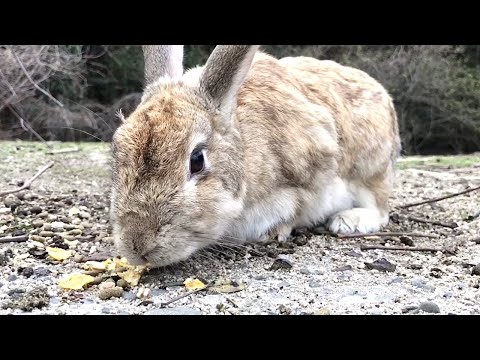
224,73
162,61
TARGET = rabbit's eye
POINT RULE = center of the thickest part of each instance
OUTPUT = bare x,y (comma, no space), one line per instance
197,162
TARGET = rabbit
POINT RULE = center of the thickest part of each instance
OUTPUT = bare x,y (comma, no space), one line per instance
247,148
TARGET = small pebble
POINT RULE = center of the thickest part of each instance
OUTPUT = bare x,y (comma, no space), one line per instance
322,311
106,294
429,307
476,270
36,209
122,283
46,233
27,272
38,238
106,285
407,241
281,262
38,223
381,265
41,271
12,277
305,271
78,258
314,284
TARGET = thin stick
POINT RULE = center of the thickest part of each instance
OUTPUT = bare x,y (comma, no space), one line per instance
19,238
398,248
184,295
439,198
30,181
31,80
433,222
384,234
63,151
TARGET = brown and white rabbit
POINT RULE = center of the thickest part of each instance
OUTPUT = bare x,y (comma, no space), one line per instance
247,147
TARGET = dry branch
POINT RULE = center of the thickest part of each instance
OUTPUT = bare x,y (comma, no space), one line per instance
19,238
451,225
399,248
30,181
385,234
439,198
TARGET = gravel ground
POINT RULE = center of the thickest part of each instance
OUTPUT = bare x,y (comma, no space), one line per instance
67,208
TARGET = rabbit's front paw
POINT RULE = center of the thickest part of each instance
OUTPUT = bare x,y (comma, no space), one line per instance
357,220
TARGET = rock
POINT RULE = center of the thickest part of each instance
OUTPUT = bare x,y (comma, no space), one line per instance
283,310
314,283
11,201
84,215
3,260
344,268
353,253
78,258
27,272
429,307
281,262
322,311
123,284
38,238
381,265
12,278
46,233
407,241
35,209
174,311
41,271
300,240
476,270
422,284
38,253
408,309
57,225
36,298
38,223
396,280
106,294
305,271
42,215
106,285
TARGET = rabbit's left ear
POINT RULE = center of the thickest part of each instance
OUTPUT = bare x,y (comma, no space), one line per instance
224,73
162,61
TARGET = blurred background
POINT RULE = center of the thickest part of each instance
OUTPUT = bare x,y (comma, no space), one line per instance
72,92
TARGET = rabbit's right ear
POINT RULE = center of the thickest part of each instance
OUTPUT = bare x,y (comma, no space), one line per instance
162,61
224,73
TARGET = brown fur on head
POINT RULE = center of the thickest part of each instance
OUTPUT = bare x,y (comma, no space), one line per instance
160,212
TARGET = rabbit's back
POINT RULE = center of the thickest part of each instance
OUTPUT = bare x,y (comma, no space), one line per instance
285,95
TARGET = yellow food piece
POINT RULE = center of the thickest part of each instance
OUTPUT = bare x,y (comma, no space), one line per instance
131,276
95,265
193,284
58,254
75,281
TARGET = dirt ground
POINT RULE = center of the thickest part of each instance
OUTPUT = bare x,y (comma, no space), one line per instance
67,208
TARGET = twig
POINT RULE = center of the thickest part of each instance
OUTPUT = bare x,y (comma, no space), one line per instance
439,198
185,295
399,248
384,234
31,80
63,151
30,181
451,225
19,238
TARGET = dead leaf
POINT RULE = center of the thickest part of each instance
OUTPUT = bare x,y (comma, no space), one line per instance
193,284
75,281
58,254
227,286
